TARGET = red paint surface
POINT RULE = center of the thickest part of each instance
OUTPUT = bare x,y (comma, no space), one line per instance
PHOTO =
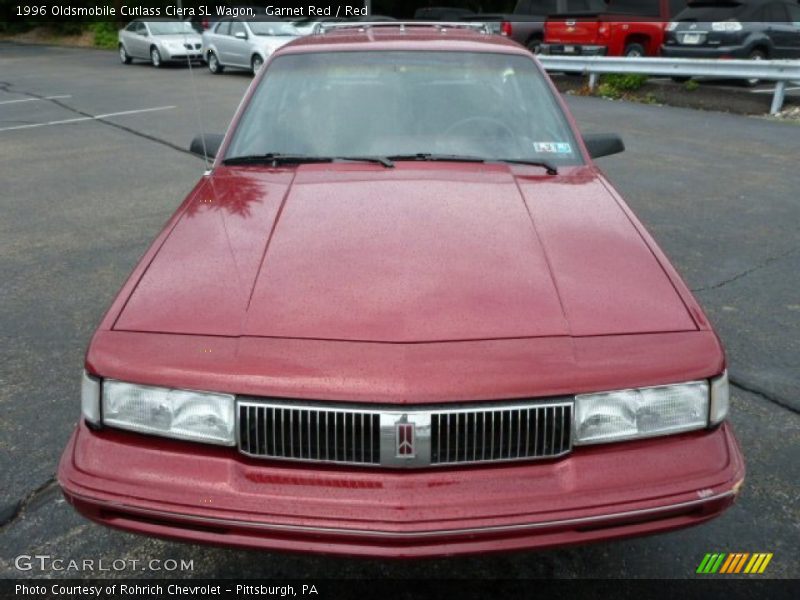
427,283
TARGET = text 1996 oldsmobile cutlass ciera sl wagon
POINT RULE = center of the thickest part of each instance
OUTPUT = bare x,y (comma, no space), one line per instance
403,314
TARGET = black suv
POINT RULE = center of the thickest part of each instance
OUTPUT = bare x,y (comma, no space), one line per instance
739,29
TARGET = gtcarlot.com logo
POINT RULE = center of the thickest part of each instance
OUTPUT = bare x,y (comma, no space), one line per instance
46,562
734,563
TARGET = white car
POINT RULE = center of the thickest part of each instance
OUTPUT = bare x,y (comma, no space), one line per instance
243,44
159,42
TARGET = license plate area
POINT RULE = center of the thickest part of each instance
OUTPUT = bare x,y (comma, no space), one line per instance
692,39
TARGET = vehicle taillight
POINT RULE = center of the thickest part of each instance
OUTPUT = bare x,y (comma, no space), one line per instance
205,24
506,28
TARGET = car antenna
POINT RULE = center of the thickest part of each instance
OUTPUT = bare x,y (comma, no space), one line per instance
197,106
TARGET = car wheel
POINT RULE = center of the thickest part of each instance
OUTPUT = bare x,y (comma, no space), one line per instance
213,64
155,57
755,55
124,58
634,51
533,45
256,64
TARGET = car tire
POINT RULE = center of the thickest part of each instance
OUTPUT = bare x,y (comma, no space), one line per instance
213,63
756,54
534,44
634,51
256,63
155,57
124,57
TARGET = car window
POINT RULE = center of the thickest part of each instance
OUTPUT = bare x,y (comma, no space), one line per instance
645,8
132,26
794,14
712,11
170,27
272,28
407,102
237,27
223,28
676,6
141,28
774,12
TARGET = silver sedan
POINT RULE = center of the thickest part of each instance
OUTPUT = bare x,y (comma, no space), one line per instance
243,44
159,42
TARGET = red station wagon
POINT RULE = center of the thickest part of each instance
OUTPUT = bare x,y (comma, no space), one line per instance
404,314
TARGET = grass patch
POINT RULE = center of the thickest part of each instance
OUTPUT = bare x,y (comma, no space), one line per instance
105,34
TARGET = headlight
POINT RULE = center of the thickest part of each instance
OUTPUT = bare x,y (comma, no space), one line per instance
641,413
181,414
672,26
727,26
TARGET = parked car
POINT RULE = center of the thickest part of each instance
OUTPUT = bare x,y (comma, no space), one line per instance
308,25
624,28
526,24
742,29
245,44
159,42
403,314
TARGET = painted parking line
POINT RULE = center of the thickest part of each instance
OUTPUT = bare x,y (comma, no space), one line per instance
33,99
81,119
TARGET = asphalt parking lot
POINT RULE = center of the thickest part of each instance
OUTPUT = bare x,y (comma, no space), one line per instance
93,162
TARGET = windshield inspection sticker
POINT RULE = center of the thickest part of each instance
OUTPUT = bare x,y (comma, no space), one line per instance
553,147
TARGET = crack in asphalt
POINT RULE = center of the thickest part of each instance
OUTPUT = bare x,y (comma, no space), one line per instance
746,272
760,392
6,86
16,510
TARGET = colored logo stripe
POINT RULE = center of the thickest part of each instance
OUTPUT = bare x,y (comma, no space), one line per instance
734,562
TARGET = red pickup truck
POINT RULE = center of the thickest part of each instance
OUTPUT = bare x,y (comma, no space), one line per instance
625,28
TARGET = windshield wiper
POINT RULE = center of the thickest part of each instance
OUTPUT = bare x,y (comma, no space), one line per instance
549,167
426,156
276,158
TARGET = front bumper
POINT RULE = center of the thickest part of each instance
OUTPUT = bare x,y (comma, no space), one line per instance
573,50
181,55
673,51
216,495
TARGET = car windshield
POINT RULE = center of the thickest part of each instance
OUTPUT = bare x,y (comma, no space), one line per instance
170,27
488,105
272,28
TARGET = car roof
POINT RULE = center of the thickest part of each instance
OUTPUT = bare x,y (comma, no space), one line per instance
403,36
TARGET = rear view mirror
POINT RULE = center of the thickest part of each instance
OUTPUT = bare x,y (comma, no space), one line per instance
207,144
603,144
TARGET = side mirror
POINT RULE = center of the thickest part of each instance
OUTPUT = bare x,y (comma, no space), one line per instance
603,144
241,35
207,144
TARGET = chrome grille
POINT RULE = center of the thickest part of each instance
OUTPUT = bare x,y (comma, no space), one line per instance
439,436
502,434
309,434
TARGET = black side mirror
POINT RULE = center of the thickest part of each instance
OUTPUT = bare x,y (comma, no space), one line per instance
603,144
207,144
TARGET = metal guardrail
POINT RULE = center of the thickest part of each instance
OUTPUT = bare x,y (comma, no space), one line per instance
779,71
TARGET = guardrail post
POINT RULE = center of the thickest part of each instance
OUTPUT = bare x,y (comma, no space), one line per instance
777,99
593,79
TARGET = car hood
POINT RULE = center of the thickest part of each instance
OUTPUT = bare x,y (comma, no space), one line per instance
419,253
